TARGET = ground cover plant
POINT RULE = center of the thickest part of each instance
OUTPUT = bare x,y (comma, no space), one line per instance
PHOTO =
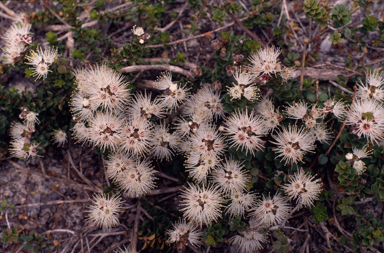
192,126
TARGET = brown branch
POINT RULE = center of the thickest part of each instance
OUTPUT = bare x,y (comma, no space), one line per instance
302,66
343,125
136,227
195,37
165,190
253,36
155,67
164,29
56,202
7,10
86,180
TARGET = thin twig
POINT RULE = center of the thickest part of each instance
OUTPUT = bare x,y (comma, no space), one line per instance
343,125
59,231
146,213
195,37
155,67
253,36
161,174
365,200
136,227
340,87
164,190
55,202
57,16
7,10
164,29
302,66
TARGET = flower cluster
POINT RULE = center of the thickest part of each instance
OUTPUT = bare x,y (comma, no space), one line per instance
22,144
16,40
104,210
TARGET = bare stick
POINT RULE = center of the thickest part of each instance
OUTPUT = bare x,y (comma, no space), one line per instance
67,182
195,37
155,67
6,16
117,245
164,29
57,16
66,28
146,213
365,200
59,231
340,87
164,190
188,65
302,66
56,202
136,227
317,90
343,125
6,218
7,10
161,174
253,36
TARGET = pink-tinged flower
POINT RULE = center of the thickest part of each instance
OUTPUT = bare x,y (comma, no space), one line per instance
240,203
265,61
201,205
337,108
185,233
303,111
21,131
206,102
199,166
371,89
249,240
190,125
230,177
367,118
293,143
138,180
117,163
143,107
105,131
136,135
245,131
207,141
104,210
266,110
18,33
104,87
375,79
244,86
271,211
304,188
355,158
163,142
80,132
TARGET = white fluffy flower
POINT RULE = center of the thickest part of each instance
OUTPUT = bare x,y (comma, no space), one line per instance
302,111
119,162
265,61
199,166
366,91
240,203
207,141
355,158
41,60
59,137
136,135
143,107
80,132
201,205
248,241
105,131
367,118
243,87
337,108
349,156
103,87
321,133
81,106
21,131
293,143
303,187
206,102
138,31
230,177
190,125
375,79
245,131
271,211
163,142
185,233
18,33
137,181
104,210
266,109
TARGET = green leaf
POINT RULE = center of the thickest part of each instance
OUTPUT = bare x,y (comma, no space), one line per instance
322,159
323,97
277,245
210,240
311,97
4,203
